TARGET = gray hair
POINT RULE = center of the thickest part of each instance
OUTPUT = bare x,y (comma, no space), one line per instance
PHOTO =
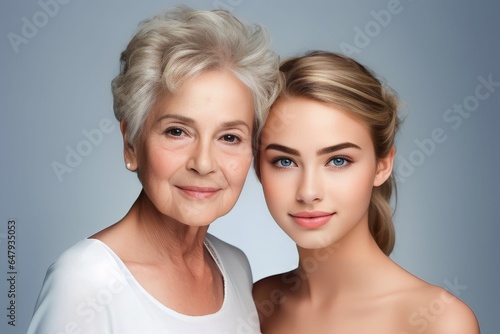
171,48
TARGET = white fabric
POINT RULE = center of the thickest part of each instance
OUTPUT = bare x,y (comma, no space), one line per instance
90,290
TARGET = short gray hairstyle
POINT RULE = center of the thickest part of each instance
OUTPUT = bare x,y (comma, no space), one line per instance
171,48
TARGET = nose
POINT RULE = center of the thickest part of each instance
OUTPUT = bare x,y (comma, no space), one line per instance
202,159
310,187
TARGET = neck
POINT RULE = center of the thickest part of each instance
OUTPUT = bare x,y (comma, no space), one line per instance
348,268
162,238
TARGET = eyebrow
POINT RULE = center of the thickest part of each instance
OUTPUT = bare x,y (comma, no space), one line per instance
234,124
192,121
322,151
282,148
337,147
183,119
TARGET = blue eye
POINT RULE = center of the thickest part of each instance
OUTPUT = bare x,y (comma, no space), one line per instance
339,162
283,162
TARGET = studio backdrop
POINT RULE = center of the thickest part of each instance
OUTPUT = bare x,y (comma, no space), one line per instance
62,171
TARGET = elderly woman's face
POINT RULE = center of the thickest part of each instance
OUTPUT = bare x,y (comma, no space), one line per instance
195,149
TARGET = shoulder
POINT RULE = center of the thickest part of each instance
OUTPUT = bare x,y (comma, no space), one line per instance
434,310
270,293
81,251
425,308
451,315
264,288
277,287
84,271
88,265
86,259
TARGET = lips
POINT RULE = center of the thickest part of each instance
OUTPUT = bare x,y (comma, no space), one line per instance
198,192
311,219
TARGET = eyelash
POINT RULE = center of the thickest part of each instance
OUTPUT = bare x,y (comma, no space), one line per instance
237,139
169,132
347,161
278,159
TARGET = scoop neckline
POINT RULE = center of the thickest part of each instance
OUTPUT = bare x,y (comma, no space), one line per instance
131,279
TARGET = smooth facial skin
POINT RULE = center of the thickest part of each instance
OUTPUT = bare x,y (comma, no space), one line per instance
318,183
318,169
195,148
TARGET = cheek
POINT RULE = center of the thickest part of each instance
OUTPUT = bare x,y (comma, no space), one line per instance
159,163
358,188
236,167
275,192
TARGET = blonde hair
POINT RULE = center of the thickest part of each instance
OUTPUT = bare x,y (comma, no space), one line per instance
171,48
343,83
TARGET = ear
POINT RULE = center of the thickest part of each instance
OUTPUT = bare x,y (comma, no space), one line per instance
129,151
384,168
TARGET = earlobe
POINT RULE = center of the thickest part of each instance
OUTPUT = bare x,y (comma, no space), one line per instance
129,152
384,168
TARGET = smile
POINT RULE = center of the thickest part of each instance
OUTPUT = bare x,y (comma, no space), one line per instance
198,192
311,219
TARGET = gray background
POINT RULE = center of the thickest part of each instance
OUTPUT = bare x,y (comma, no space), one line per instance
57,85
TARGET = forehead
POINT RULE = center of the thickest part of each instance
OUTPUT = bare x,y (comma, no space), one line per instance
214,93
306,122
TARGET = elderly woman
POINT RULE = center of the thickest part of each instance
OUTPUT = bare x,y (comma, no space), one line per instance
190,97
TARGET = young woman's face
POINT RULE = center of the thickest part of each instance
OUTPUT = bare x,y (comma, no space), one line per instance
195,149
318,168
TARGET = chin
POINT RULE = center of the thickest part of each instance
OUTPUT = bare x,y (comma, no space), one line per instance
308,244
311,241
196,222
201,220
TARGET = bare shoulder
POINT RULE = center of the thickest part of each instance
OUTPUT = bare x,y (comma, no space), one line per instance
454,317
433,310
269,295
267,287
421,307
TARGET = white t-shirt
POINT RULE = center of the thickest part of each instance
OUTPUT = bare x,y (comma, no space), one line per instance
88,289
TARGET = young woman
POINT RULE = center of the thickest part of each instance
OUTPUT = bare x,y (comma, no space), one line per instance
325,163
